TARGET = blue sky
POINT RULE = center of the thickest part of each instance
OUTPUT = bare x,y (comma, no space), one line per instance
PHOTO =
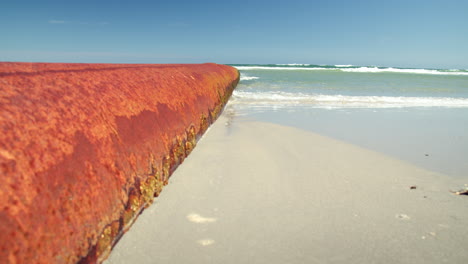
361,32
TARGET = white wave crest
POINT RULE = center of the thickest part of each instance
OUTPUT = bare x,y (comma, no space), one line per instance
350,68
396,70
293,64
247,68
248,78
284,99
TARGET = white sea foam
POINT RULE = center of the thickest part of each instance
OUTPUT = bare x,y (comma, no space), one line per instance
396,70
247,68
248,78
350,68
285,100
293,64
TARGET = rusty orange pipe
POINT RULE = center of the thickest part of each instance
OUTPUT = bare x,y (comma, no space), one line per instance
85,147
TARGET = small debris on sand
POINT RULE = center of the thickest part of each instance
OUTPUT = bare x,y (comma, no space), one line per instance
462,192
402,217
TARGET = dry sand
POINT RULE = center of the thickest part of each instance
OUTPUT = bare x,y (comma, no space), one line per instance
255,192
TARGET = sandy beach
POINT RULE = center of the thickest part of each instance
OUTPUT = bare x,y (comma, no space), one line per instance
255,192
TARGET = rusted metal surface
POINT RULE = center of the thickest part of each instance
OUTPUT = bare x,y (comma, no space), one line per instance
85,147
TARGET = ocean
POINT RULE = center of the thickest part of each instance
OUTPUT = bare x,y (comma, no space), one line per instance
416,115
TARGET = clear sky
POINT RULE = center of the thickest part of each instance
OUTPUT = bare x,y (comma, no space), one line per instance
405,33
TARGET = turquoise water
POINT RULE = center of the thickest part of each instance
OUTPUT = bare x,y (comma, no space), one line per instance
290,86
417,115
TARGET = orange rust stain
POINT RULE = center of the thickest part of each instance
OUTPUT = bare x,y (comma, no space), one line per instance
85,147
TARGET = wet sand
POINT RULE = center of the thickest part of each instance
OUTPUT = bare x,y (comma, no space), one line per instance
254,192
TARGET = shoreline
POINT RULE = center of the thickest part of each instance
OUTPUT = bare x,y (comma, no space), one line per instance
265,193
434,139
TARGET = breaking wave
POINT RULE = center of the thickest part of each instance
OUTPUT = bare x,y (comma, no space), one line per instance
350,68
285,100
248,78
293,64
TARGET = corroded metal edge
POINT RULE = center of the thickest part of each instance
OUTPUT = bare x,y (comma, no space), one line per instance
85,148
142,194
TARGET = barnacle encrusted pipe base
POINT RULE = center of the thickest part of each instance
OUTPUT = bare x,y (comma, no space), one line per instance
84,148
